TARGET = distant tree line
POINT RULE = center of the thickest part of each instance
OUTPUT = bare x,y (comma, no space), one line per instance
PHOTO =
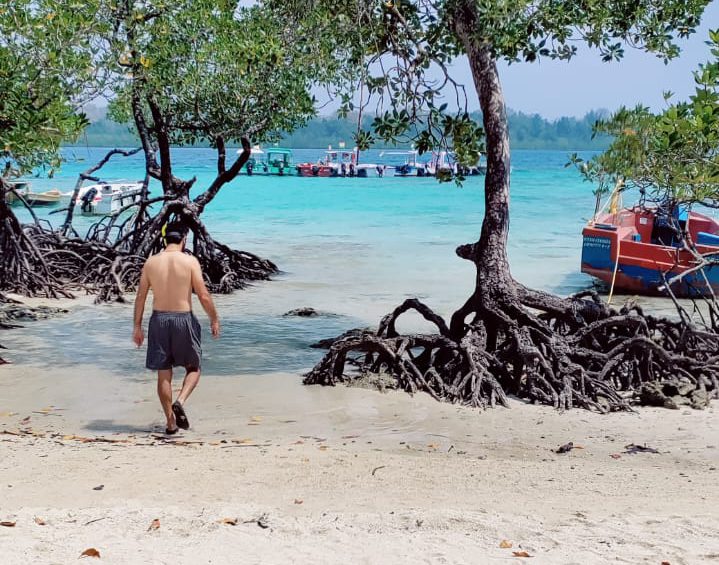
527,131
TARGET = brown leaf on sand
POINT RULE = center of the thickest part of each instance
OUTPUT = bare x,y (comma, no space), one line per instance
40,521
7,524
521,554
229,521
25,420
505,544
298,501
155,525
666,563
90,552
615,456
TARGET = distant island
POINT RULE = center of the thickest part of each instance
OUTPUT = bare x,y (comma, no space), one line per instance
527,131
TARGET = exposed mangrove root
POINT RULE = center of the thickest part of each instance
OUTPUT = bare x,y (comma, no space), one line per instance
23,268
560,352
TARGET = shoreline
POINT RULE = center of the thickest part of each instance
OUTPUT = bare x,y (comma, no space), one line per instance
336,474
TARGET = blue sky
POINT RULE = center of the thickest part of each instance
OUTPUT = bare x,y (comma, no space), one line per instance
554,89
560,88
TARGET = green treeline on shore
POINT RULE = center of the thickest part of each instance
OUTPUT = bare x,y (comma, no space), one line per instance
527,131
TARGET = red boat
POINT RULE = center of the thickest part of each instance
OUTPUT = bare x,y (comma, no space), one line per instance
315,170
633,249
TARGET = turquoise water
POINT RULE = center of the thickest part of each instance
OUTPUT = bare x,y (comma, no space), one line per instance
354,248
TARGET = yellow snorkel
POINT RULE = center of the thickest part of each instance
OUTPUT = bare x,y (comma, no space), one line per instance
163,233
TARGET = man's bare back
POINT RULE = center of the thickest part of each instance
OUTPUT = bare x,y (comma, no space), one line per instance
170,276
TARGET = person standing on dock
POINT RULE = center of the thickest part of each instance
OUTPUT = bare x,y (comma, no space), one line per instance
174,334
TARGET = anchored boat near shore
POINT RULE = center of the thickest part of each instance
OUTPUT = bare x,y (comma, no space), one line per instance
22,191
638,249
105,197
340,163
278,162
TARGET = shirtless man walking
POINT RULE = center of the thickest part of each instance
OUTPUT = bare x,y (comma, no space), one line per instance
174,335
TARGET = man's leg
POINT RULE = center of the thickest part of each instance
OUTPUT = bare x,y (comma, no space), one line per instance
192,377
164,391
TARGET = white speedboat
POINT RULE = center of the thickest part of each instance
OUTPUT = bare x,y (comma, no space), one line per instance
410,167
105,198
370,170
444,163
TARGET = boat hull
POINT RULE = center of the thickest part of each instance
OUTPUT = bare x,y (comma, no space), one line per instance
641,267
310,170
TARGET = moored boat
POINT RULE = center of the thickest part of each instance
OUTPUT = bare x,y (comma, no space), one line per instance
445,163
105,198
637,249
410,167
340,163
314,170
278,162
47,198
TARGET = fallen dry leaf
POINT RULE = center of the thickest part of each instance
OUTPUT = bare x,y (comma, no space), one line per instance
244,441
521,554
90,552
7,524
25,420
229,521
615,456
46,410
40,521
504,544
298,501
68,437
666,563
432,445
155,525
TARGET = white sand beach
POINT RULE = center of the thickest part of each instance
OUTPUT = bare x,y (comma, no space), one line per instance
339,475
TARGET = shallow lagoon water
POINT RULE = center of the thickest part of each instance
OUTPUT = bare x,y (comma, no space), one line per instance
352,248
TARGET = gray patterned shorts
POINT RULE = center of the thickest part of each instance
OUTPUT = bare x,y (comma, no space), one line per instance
173,340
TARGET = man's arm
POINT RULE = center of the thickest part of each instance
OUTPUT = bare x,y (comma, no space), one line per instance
198,285
138,336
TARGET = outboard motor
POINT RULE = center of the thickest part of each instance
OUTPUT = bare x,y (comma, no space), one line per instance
250,166
315,170
87,200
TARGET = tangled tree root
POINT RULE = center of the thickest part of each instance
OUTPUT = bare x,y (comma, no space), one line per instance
38,260
563,353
